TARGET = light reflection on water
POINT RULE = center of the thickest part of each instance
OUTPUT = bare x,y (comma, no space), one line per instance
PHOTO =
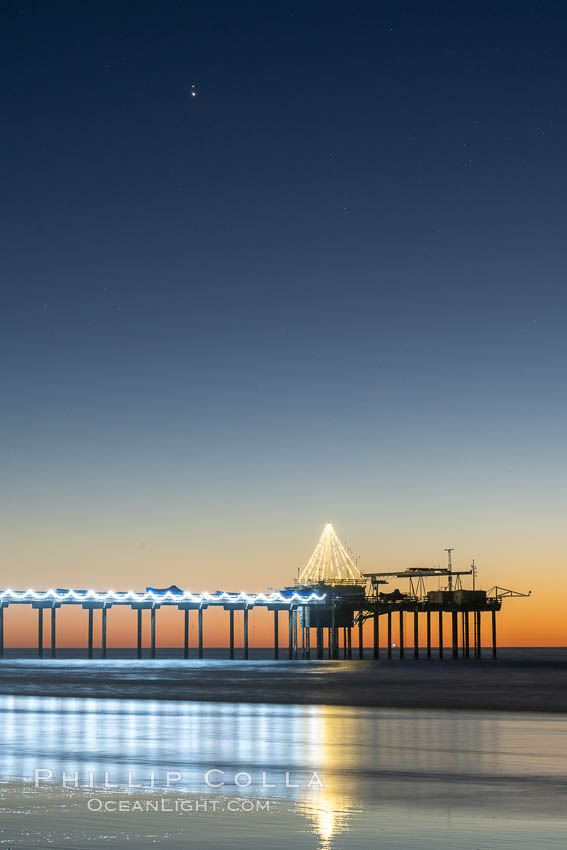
388,773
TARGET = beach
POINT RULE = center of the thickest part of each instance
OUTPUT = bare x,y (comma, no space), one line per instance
142,773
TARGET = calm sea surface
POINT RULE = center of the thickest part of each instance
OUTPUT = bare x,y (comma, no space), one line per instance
241,775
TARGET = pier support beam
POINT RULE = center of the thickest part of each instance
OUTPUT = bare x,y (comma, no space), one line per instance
200,632
276,635
40,632
307,624
103,632
334,635
360,636
53,633
344,644
401,634
349,642
466,641
376,636
428,615
440,634
290,637
231,633
295,613
91,619
389,615
245,612
475,648
186,633
494,634
415,634
153,632
475,633
319,643
455,633
479,634
329,643
139,650
1,631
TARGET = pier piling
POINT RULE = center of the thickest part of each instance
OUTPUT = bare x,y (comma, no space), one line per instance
245,612
376,636
401,634
415,635
429,634
91,629
276,635
475,636
200,633
186,633
40,632
335,635
231,633
319,643
153,632
103,633
139,648
455,633
53,632
389,616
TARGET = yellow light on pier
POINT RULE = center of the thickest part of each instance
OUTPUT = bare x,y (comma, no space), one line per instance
330,561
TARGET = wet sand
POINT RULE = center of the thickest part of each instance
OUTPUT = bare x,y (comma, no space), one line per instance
516,684
390,778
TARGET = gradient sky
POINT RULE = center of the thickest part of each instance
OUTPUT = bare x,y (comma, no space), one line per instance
330,285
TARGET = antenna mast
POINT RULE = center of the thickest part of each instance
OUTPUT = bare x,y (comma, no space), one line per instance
450,568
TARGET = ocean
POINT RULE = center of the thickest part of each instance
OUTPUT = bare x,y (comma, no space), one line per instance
137,771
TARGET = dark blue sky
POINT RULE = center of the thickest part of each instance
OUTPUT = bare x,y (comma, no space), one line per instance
329,286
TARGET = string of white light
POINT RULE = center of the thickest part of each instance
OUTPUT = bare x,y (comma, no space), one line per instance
330,561
126,596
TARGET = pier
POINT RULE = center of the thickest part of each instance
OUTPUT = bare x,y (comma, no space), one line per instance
151,600
330,599
313,614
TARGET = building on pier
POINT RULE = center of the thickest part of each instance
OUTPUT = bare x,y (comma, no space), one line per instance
352,597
